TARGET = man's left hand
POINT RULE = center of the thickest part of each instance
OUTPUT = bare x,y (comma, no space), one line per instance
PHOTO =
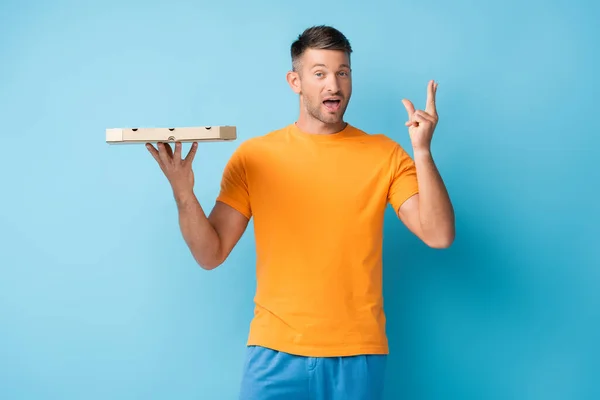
422,123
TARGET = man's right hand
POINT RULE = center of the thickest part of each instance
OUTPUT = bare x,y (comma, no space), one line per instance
211,238
177,170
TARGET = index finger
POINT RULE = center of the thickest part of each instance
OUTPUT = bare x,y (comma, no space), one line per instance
431,89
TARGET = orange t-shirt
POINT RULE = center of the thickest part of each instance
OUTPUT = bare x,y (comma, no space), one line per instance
318,203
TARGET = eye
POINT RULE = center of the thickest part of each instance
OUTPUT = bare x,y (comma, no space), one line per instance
318,74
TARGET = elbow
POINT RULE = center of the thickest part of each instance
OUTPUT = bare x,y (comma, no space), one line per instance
440,244
207,254
208,266
208,263
443,241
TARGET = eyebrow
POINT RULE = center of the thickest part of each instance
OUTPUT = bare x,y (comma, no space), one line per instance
323,65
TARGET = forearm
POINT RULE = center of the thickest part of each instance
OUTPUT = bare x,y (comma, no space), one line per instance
435,208
198,233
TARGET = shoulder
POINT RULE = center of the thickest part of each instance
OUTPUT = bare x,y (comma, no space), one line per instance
264,139
380,143
255,147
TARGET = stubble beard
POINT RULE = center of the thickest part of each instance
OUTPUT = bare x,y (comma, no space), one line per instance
316,111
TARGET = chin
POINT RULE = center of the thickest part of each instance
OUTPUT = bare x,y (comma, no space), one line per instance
327,117
336,120
331,119
334,117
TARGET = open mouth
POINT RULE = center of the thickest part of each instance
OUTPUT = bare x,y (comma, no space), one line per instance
332,104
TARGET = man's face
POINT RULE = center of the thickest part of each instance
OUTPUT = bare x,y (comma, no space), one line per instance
324,83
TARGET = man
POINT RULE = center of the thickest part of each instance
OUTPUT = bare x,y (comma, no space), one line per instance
317,189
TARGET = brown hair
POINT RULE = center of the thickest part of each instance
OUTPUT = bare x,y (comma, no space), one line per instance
320,37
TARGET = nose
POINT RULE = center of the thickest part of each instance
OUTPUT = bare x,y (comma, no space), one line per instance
332,84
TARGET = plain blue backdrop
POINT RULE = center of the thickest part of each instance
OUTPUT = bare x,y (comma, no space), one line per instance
99,296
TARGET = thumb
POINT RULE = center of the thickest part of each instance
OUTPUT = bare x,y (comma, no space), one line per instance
410,108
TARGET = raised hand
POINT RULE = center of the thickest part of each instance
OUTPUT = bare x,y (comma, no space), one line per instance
178,171
421,124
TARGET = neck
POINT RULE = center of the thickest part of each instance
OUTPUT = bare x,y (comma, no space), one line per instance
309,124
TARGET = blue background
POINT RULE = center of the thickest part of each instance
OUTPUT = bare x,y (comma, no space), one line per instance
99,296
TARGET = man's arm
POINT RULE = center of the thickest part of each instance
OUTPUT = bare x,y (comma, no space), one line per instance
210,239
429,214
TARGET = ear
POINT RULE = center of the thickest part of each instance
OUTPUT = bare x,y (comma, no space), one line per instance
293,79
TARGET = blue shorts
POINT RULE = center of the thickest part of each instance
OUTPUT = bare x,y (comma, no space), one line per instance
274,375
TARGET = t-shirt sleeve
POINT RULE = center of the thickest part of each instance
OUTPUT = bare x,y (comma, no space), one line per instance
234,184
404,183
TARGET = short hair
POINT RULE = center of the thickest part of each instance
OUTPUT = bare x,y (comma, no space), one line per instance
320,37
